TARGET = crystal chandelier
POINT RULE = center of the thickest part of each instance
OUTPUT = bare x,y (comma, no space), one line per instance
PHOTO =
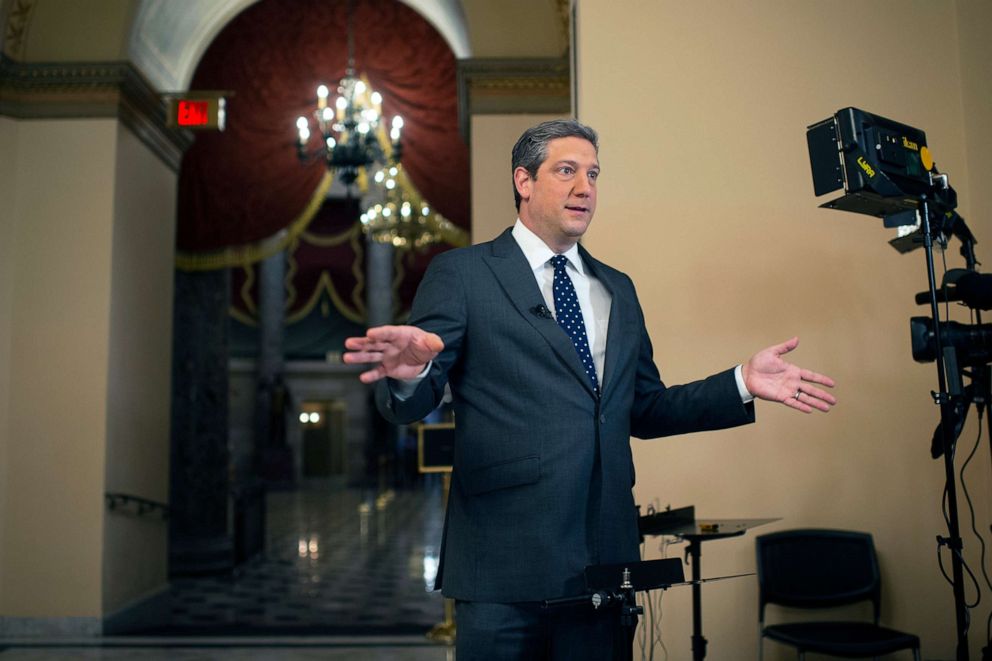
356,147
349,129
402,217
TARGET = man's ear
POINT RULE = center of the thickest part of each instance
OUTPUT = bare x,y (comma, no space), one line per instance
522,180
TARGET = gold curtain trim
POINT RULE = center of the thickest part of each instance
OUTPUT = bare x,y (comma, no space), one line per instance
357,312
246,289
251,253
241,316
329,241
358,270
287,280
326,284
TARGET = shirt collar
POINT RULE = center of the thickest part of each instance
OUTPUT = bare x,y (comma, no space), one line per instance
537,251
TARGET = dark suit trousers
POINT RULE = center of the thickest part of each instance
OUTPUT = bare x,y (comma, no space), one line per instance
526,632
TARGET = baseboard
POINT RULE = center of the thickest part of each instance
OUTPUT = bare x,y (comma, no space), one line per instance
49,627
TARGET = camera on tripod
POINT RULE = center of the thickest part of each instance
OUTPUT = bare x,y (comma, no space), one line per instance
886,170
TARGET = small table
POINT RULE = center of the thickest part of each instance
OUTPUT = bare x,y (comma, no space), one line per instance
695,533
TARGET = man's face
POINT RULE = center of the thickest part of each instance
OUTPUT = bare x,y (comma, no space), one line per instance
558,204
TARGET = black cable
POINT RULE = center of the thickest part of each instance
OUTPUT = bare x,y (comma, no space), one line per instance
981,540
647,637
660,639
967,496
940,560
971,510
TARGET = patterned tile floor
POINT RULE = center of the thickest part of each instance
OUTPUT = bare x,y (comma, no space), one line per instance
337,561
345,576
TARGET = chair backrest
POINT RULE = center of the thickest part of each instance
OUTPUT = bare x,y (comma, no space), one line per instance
814,568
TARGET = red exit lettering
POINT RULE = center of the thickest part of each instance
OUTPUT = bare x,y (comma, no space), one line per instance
193,113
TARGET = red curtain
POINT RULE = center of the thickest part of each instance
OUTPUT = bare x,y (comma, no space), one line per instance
245,184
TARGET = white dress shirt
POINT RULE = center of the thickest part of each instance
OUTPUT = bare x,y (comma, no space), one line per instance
594,299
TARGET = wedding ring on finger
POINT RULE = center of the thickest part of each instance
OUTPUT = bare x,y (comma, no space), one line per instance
798,392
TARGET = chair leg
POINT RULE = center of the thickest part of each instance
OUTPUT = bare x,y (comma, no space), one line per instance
801,655
916,654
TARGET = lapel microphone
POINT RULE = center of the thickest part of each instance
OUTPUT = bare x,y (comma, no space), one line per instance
541,311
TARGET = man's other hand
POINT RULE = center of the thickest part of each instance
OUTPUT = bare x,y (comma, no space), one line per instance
399,352
767,376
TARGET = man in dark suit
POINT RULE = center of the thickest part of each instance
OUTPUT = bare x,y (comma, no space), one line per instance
550,366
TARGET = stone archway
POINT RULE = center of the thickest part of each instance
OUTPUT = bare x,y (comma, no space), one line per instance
167,38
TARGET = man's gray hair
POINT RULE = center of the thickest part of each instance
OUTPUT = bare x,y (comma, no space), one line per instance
532,148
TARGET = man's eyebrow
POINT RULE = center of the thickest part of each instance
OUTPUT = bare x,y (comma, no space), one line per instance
575,164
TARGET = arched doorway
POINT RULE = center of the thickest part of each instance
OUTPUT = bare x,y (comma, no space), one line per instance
245,202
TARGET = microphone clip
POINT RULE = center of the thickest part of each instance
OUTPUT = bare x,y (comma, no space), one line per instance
541,311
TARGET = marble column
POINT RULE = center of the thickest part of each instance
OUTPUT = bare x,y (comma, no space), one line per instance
199,535
274,459
380,438
379,282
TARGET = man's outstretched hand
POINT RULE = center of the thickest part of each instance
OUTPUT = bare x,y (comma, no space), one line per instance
399,352
767,376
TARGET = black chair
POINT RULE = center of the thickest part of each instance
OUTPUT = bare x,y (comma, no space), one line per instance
824,569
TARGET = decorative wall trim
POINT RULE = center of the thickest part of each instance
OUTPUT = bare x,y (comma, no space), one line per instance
493,86
77,90
49,627
563,9
15,26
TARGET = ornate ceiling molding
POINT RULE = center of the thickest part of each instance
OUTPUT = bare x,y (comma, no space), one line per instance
491,86
16,26
91,89
563,8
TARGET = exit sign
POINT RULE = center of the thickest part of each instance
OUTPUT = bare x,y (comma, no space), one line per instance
197,112
193,113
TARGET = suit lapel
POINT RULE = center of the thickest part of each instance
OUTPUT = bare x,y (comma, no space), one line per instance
514,275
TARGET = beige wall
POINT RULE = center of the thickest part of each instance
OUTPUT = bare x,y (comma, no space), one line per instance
974,21
59,325
706,200
515,28
8,192
138,390
492,138
87,249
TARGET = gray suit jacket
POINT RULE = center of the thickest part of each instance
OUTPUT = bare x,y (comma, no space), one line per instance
543,469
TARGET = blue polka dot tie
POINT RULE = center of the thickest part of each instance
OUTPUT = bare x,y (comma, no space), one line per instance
569,316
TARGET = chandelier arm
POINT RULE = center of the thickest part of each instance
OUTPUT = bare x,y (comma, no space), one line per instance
351,38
